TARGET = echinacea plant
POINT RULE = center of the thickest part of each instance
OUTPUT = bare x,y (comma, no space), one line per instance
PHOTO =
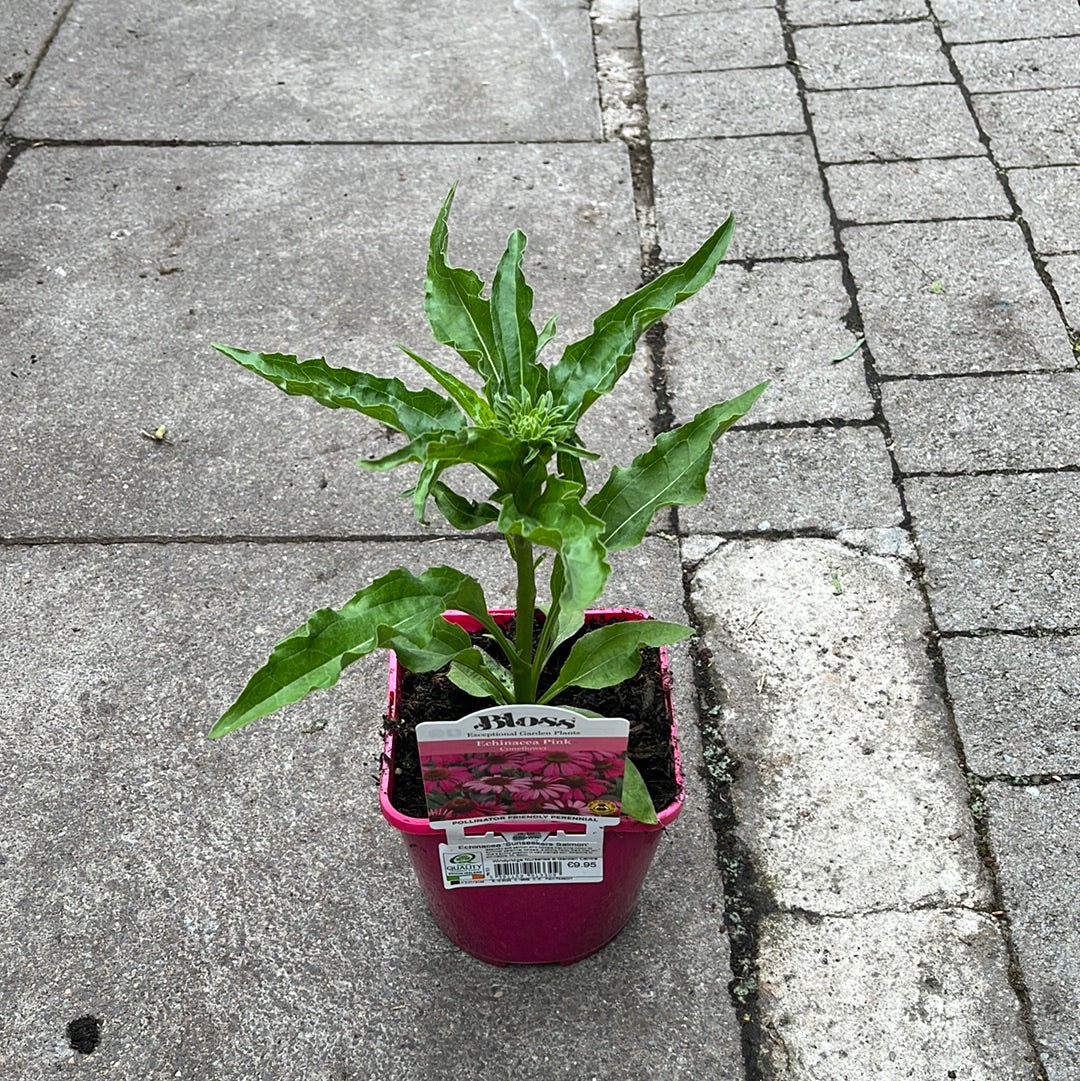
520,430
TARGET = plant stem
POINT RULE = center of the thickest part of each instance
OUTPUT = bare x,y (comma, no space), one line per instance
524,683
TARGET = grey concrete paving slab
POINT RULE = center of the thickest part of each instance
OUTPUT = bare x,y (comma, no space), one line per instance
911,995
893,123
825,479
994,422
954,296
755,101
778,321
1019,65
1065,274
927,190
870,54
832,12
499,70
1000,550
200,898
1033,832
1014,700
25,26
771,184
973,20
848,794
365,71
1048,203
125,263
1031,127
750,38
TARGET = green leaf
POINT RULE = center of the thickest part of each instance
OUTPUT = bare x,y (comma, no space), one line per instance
470,402
479,674
462,513
429,474
459,316
515,336
670,473
315,654
594,364
636,801
413,451
427,651
612,653
556,519
494,453
546,334
389,401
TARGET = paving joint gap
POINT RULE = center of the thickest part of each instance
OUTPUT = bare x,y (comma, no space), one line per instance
1015,632
246,538
988,373
1028,780
1049,470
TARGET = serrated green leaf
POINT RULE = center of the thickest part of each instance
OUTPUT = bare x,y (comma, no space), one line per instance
413,451
670,473
612,653
515,335
466,397
458,315
491,451
462,513
636,801
546,334
315,654
389,401
593,365
428,651
479,674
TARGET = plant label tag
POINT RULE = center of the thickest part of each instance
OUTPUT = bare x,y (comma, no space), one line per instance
523,859
540,762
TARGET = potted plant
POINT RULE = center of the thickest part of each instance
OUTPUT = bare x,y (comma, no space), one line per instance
519,429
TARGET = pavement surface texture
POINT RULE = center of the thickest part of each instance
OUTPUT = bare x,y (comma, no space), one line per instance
876,875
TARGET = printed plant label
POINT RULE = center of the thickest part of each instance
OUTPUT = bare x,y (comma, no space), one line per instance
541,762
520,859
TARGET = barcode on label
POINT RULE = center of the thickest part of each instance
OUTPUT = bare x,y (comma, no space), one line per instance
528,868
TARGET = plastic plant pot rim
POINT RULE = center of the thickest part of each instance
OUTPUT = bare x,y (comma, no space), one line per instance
420,826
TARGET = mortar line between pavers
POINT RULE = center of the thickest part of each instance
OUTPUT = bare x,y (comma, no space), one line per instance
1050,470
933,649
749,262
851,223
1024,90
1029,780
1002,174
878,86
900,20
245,538
170,144
1016,632
717,71
982,373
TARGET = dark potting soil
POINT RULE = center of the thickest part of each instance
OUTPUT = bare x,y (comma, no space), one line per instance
431,696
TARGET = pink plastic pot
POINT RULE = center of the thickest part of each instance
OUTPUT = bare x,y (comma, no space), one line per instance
532,924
